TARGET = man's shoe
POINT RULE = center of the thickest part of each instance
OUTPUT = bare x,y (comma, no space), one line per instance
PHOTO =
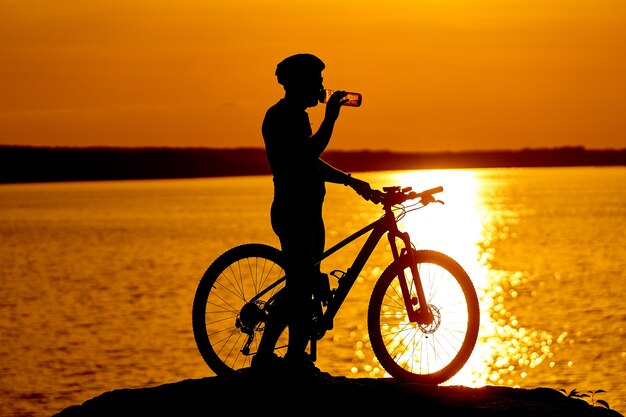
303,366
269,362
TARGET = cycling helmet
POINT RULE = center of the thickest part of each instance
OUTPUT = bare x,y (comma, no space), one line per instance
298,67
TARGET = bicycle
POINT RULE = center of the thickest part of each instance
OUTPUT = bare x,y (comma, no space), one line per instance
423,313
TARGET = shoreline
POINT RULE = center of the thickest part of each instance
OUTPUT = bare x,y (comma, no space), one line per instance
22,164
330,395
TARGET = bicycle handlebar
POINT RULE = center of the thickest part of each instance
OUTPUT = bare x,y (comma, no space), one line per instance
391,196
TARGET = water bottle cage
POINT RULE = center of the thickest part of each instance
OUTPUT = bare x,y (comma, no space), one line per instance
321,289
337,274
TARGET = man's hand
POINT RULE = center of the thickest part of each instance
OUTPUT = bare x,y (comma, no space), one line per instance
376,196
361,187
334,105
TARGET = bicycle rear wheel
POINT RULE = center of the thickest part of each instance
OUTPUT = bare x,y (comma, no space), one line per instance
231,303
433,353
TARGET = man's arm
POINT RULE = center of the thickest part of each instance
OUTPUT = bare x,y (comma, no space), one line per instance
321,138
334,175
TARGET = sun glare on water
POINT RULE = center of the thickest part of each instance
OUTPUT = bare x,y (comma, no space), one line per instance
460,228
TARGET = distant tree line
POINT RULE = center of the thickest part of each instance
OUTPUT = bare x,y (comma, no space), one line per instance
44,164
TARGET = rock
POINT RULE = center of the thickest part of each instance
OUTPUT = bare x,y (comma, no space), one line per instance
330,395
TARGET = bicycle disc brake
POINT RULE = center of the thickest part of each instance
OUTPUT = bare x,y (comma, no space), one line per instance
432,326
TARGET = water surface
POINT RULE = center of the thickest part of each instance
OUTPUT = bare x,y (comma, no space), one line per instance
97,278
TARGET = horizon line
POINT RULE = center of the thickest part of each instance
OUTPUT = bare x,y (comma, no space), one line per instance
362,150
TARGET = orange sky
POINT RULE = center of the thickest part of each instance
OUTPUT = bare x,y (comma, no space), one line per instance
434,74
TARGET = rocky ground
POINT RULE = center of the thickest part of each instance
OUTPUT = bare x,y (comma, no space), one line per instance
265,395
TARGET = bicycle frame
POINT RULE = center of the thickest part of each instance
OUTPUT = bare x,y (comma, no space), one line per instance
385,225
408,333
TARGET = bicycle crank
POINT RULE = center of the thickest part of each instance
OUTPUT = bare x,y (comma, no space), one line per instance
252,317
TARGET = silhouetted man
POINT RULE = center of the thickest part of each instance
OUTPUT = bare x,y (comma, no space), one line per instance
299,174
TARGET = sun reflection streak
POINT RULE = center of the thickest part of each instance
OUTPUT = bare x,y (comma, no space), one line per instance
463,228
456,229
468,227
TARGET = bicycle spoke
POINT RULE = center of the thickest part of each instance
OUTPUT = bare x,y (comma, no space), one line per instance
227,324
424,352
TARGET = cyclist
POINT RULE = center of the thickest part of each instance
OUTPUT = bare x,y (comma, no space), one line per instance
299,174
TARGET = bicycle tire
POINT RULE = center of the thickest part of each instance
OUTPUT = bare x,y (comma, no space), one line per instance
227,286
427,354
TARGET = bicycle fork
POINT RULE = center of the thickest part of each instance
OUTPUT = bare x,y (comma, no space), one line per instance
422,315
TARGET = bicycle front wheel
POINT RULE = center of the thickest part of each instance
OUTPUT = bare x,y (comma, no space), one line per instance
231,303
424,353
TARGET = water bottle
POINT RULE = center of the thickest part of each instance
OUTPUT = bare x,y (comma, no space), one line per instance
354,99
